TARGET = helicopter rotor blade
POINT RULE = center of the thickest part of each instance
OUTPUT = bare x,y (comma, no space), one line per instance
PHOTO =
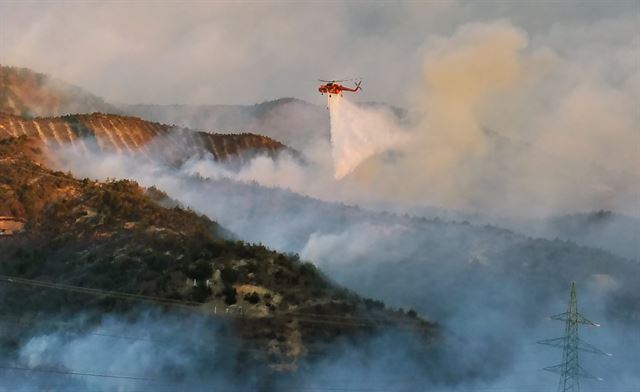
335,80
355,80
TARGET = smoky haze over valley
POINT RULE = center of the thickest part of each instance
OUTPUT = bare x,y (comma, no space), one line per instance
490,160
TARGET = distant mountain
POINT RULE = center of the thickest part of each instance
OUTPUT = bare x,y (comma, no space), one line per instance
575,225
607,230
616,233
24,92
130,135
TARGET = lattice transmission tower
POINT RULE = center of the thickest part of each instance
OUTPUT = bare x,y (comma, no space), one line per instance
570,370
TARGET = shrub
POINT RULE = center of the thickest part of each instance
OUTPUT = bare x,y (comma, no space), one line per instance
229,295
200,293
291,298
252,298
229,276
157,262
373,304
201,269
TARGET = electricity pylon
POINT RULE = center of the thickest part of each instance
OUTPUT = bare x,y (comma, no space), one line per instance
570,370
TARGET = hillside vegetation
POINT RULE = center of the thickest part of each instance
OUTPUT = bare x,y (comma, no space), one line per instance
405,259
118,236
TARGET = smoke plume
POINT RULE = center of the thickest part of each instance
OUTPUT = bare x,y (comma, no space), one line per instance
359,133
498,132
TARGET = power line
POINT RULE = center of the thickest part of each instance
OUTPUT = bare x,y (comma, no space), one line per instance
219,340
390,384
78,332
75,373
107,293
309,388
72,372
304,317
353,321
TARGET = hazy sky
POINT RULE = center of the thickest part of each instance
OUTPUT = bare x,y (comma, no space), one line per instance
247,52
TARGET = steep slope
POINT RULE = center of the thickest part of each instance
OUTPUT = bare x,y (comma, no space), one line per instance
130,135
24,92
118,237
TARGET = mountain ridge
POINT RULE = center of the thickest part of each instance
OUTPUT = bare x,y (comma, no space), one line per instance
131,135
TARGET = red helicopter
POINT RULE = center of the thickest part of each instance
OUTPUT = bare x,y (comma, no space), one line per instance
332,87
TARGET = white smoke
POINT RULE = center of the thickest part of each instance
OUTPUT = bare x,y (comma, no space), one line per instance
353,244
507,125
358,133
147,350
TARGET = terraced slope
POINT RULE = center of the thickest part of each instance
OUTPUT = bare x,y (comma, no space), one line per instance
130,135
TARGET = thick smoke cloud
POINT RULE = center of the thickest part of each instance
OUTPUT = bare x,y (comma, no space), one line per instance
500,133
207,53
